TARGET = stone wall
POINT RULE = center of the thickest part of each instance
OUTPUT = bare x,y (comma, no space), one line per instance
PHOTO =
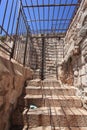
7,43
76,49
53,56
12,78
16,118
36,56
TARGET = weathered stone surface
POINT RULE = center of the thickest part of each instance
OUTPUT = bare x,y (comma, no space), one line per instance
1,101
12,78
76,49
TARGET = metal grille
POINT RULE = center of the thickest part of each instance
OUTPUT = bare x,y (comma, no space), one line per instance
25,20
50,16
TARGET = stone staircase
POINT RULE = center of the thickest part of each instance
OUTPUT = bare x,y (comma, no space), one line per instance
53,56
50,59
57,107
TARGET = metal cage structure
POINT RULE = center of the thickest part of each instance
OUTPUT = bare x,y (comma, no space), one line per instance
26,24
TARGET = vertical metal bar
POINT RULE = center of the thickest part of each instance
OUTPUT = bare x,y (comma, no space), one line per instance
29,15
64,8
24,17
34,17
42,64
73,14
24,62
10,16
68,14
21,26
48,15
4,15
39,17
14,18
0,1
53,17
30,51
43,18
58,14
12,53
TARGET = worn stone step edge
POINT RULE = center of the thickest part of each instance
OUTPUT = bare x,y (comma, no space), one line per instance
57,128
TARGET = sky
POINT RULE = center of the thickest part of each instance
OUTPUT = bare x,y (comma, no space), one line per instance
38,13
7,16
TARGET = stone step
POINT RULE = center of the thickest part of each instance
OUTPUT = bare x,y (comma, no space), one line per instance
57,128
34,82
25,127
57,116
52,100
50,90
51,81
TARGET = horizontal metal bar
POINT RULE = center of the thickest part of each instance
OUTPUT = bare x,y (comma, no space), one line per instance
37,20
61,35
5,52
6,45
5,48
49,5
47,30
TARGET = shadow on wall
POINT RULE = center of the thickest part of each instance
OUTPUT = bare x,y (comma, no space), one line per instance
16,118
68,75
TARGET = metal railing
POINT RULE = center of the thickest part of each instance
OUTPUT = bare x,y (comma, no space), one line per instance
16,40
14,31
21,38
8,20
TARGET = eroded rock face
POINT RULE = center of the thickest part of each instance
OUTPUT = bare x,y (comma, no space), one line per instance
12,78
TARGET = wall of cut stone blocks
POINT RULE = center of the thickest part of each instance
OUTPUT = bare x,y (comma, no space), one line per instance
53,55
76,49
